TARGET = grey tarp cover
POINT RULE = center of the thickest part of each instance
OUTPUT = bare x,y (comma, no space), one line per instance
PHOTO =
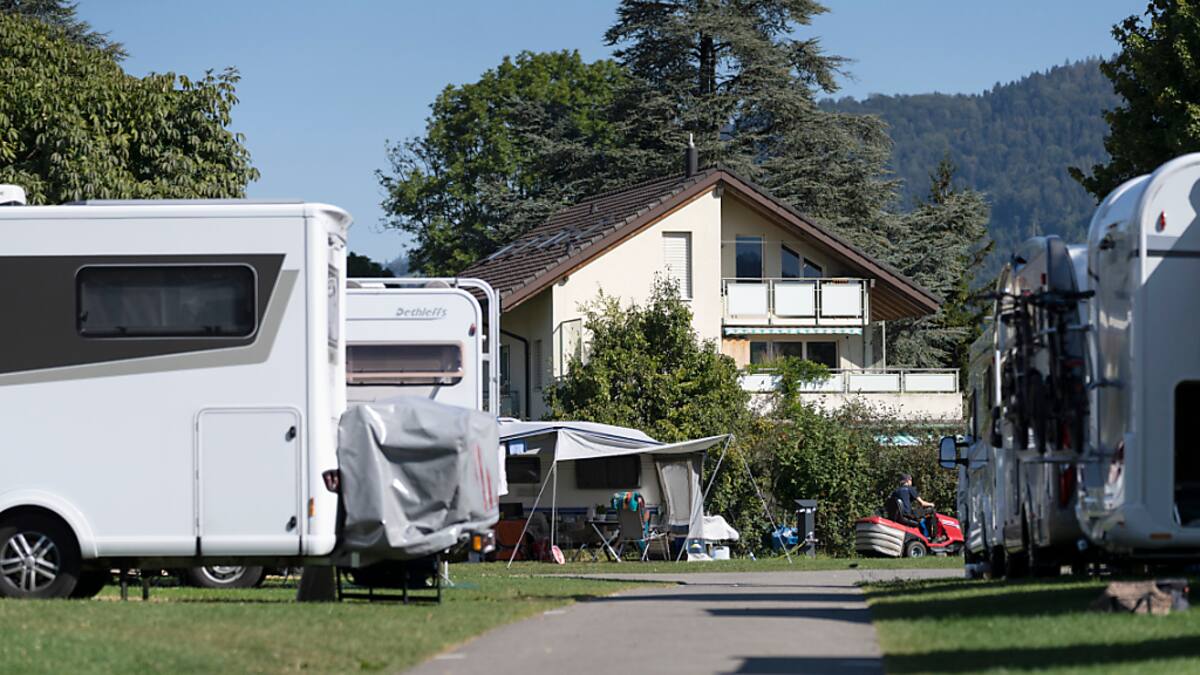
417,476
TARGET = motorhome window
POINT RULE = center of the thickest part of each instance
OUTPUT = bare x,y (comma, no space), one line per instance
789,263
404,364
523,470
749,257
200,301
1187,458
609,473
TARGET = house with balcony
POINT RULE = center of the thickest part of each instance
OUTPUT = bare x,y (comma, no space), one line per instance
763,282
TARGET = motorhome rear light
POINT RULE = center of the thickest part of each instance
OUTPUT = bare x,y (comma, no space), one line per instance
471,330
1162,222
1160,536
312,507
477,543
333,480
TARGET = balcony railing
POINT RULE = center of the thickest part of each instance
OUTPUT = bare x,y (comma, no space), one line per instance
884,381
813,302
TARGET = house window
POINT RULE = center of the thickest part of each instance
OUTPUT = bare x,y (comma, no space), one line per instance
789,349
199,301
677,255
609,473
404,364
789,263
749,257
504,368
812,270
760,352
825,353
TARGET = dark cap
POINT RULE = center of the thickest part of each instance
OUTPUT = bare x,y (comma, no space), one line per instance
905,477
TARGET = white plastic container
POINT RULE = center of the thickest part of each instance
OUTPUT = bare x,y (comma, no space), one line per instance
720,553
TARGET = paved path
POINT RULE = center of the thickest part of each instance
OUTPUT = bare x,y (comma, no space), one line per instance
758,622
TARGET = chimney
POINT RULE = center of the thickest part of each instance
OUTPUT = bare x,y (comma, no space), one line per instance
692,159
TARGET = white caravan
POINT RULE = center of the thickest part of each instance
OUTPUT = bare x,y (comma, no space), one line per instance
1140,482
171,378
1028,414
423,337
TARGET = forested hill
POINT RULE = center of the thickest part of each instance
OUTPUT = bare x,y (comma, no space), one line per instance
1013,142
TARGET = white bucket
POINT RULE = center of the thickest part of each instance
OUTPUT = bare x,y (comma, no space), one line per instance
720,553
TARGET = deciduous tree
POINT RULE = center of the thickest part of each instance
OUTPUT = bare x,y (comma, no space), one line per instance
1157,73
74,125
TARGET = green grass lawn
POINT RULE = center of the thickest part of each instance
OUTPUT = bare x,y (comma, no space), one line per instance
960,626
263,630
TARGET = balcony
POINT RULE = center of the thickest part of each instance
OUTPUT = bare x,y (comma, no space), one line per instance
917,394
796,302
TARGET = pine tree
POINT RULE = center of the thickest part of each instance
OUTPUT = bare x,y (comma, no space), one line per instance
1157,73
945,247
63,14
734,74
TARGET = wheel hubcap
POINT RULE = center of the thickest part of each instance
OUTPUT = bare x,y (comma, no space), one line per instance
224,573
29,561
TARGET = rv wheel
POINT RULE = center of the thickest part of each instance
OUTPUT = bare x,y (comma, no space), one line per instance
225,576
39,557
915,549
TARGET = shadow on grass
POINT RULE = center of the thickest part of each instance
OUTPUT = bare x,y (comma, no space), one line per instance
1036,600
1040,658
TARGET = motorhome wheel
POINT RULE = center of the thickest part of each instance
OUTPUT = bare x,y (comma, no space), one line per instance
39,558
915,548
225,576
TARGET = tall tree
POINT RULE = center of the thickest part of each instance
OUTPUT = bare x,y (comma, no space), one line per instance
945,246
360,266
64,14
735,74
1157,73
73,125
500,154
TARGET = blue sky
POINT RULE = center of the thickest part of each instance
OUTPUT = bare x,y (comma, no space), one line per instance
325,85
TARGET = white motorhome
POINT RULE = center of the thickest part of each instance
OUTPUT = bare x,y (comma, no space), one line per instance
1140,481
171,380
1028,415
423,337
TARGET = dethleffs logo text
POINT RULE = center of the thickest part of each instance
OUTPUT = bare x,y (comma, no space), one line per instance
421,313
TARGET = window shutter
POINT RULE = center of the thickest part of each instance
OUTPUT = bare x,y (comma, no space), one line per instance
677,256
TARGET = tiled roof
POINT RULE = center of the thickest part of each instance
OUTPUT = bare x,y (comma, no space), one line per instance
572,231
575,234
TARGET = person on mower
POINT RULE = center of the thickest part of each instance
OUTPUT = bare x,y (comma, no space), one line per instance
906,494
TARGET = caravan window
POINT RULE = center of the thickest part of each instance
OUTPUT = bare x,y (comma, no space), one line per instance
404,364
523,470
202,301
609,473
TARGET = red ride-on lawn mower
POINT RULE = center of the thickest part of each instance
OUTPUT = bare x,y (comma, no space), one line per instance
899,536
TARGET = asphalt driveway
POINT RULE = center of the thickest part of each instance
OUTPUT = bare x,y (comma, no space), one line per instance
770,622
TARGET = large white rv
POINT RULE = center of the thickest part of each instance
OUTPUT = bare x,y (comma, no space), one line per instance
423,337
1140,480
171,378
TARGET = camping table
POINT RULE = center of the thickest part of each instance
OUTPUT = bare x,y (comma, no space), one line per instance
606,540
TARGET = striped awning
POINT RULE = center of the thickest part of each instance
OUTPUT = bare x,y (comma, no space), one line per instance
793,330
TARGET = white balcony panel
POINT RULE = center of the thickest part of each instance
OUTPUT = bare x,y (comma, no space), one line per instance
874,382
759,383
746,299
836,384
841,299
795,298
930,382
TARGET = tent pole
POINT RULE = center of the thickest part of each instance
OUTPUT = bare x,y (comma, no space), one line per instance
525,529
717,469
770,518
554,505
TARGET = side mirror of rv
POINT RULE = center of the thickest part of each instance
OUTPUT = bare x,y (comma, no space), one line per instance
948,452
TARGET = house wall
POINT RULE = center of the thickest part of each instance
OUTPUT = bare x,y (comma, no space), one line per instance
532,321
627,271
739,219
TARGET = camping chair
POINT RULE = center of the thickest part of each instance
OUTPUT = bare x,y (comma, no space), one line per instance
635,530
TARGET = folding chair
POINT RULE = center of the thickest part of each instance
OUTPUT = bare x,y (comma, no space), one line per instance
634,530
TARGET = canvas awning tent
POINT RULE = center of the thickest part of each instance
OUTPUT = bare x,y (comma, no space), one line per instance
678,476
